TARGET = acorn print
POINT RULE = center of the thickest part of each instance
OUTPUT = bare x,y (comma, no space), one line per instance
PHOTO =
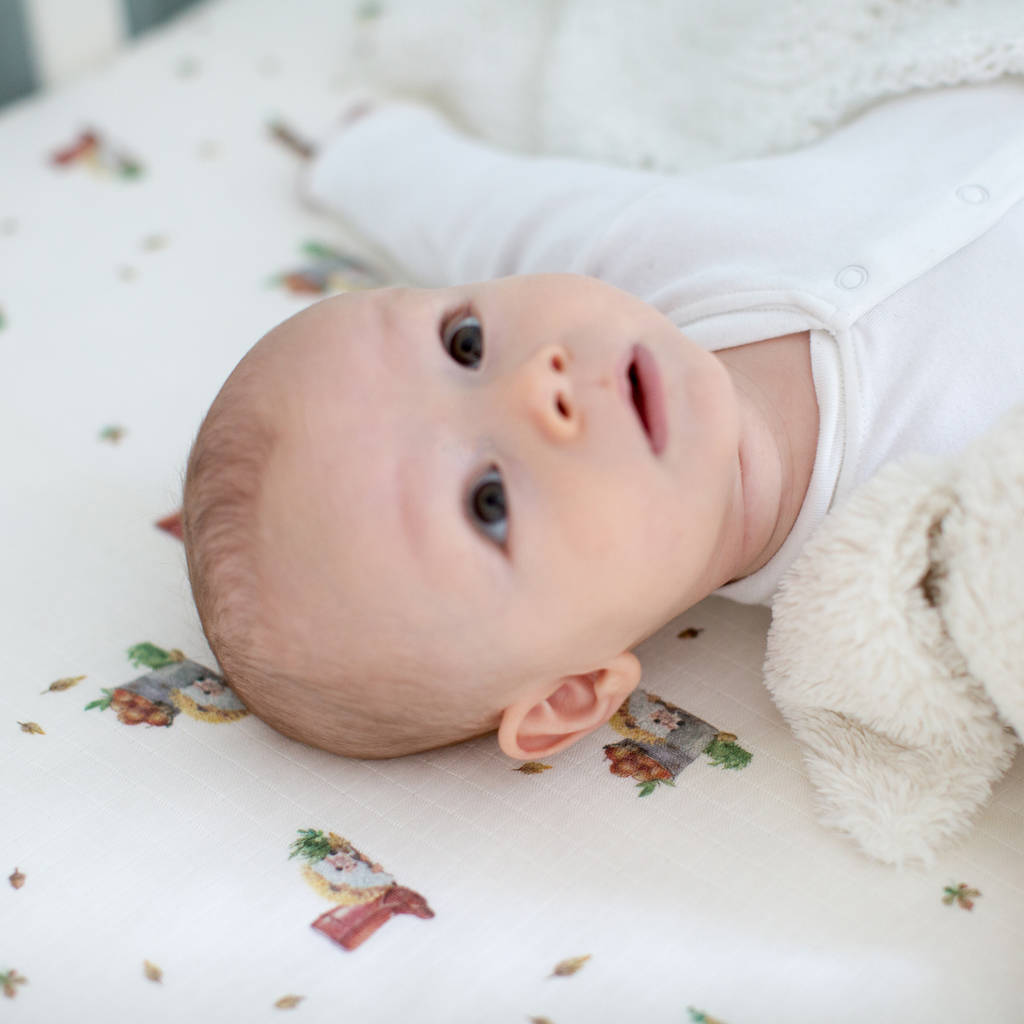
566,968
63,684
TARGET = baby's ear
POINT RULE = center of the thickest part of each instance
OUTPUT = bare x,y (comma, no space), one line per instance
553,716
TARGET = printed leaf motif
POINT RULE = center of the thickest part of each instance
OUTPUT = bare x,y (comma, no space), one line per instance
85,143
699,1017
565,968
689,633
33,727
151,971
287,135
960,894
97,153
647,788
540,1020
150,656
17,880
288,1002
103,702
312,844
112,433
330,269
8,979
532,768
369,10
726,753
63,684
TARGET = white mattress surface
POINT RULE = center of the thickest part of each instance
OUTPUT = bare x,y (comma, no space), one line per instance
125,300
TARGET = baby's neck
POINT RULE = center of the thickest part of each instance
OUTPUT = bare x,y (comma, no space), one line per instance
778,441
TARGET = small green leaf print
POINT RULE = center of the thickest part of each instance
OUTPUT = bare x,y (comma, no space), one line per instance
960,894
532,768
725,752
311,844
8,979
128,167
648,787
63,684
3,319
147,655
699,1017
369,10
103,702
565,968
112,433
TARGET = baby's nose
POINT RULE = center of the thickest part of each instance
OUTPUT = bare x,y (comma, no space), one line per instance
549,393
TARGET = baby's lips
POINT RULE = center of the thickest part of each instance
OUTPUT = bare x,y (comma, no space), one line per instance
655,414
649,403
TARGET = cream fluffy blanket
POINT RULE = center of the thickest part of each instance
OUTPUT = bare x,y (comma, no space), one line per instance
896,650
675,84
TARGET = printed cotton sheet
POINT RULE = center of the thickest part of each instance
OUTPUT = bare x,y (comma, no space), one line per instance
165,856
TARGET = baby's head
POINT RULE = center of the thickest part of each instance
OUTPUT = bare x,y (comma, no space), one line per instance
414,516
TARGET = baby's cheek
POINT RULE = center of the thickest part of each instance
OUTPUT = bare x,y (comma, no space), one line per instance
601,538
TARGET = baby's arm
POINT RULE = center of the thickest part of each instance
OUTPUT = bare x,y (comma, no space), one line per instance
451,209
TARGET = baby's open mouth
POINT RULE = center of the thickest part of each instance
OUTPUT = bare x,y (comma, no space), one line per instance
648,400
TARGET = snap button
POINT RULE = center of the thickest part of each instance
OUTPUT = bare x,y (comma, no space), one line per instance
851,277
972,193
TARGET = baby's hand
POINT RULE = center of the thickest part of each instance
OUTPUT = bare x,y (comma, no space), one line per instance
358,105
364,101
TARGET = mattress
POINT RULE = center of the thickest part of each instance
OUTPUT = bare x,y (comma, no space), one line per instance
166,856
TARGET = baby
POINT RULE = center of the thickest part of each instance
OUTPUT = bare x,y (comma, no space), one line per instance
416,515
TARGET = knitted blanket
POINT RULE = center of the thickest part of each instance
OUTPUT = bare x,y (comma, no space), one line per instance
674,85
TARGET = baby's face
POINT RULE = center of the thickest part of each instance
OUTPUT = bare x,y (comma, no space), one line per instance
473,473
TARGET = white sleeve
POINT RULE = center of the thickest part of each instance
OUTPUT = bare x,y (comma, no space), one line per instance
451,209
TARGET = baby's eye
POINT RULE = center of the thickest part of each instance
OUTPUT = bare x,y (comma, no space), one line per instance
486,506
464,341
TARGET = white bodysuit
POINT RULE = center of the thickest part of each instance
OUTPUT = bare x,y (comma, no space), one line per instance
897,242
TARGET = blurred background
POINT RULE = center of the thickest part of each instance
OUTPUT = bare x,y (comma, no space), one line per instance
48,42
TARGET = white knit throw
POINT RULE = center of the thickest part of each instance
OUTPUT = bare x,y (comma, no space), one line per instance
676,84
